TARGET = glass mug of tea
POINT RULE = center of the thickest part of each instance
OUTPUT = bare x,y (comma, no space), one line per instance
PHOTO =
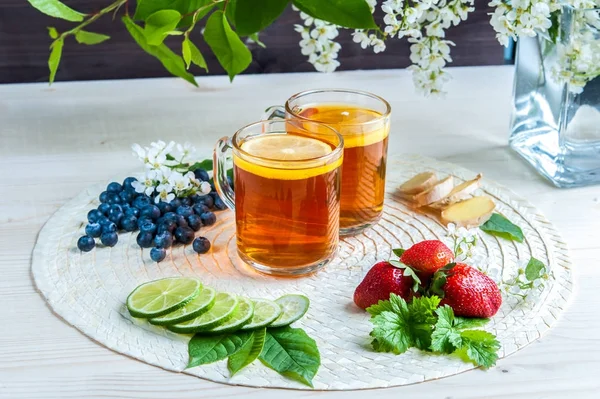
287,193
363,119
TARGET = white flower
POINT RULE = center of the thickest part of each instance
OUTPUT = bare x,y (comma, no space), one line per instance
139,152
205,188
378,44
146,185
164,193
185,150
361,37
179,182
309,46
372,4
308,20
324,33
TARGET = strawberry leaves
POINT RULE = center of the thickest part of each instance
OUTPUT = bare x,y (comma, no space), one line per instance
439,279
407,272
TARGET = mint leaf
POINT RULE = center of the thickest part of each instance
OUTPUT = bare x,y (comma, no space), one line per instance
379,307
250,19
292,353
232,53
500,226
54,59
480,347
392,332
191,54
422,319
85,37
159,24
534,269
171,61
248,352
56,9
347,13
52,32
398,252
445,337
204,349
462,323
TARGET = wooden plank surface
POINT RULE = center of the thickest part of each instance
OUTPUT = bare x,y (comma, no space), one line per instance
24,49
57,141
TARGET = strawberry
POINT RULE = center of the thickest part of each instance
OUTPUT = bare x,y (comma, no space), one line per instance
469,292
427,257
380,281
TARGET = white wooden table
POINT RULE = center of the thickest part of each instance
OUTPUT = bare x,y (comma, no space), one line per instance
56,141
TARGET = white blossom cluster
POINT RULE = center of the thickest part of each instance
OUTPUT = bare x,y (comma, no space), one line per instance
464,246
318,44
167,175
521,18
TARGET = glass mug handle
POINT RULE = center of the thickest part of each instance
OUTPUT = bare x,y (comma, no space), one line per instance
273,112
222,185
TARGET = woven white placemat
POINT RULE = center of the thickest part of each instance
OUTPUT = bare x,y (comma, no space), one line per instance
88,290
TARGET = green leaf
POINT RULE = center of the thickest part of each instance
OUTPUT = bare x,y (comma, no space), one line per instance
159,24
445,337
230,10
407,272
255,39
191,54
347,13
555,26
250,18
480,347
204,349
171,61
248,352
207,165
398,252
85,37
232,53
534,269
422,319
468,322
392,331
379,307
56,9
500,226
145,8
54,59
292,353
52,32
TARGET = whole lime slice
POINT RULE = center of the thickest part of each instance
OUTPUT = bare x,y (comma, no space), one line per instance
159,297
223,309
242,316
265,312
294,307
202,303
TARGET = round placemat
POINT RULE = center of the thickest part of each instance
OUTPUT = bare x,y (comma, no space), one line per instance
88,290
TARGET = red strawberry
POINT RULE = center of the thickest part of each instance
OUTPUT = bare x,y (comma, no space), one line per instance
427,256
379,282
470,293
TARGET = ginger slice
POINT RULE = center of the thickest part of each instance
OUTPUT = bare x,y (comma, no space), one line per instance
435,193
469,213
418,184
459,193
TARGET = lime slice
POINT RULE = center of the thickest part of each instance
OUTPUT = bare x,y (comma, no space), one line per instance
202,303
223,309
159,297
265,312
293,306
242,315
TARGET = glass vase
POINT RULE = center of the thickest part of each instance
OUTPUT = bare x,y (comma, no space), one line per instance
555,122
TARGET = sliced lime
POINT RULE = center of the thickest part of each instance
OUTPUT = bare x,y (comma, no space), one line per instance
293,306
223,309
265,312
242,316
159,297
202,303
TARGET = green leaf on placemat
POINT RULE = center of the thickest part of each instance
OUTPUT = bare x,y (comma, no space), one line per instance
56,9
500,226
534,269
205,349
292,353
347,13
480,347
248,353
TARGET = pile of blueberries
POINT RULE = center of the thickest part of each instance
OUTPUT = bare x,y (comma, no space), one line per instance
160,225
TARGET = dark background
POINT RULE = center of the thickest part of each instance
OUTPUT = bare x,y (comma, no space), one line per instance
24,48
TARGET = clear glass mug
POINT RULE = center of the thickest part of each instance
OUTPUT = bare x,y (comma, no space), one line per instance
363,119
287,196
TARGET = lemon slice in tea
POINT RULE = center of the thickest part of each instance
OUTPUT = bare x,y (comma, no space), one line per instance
202,303
223,309
159,297
242,316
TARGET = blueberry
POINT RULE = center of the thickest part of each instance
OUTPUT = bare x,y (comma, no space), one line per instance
201,175
142,201
176,203
116,217
158,254
206,200
86,243
144,240
103,197
181,221
194,222
147,227
113,198
201,245
93,230
170,216
184,235
163,240
186,201
104,208
167,225
115,208
109,239
126,196
213,189
132,211
127,184
144,219
94,215
109,227
208,218
164,207
129,223
199,209
102,220
219,204
114,187
185,210
150,211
